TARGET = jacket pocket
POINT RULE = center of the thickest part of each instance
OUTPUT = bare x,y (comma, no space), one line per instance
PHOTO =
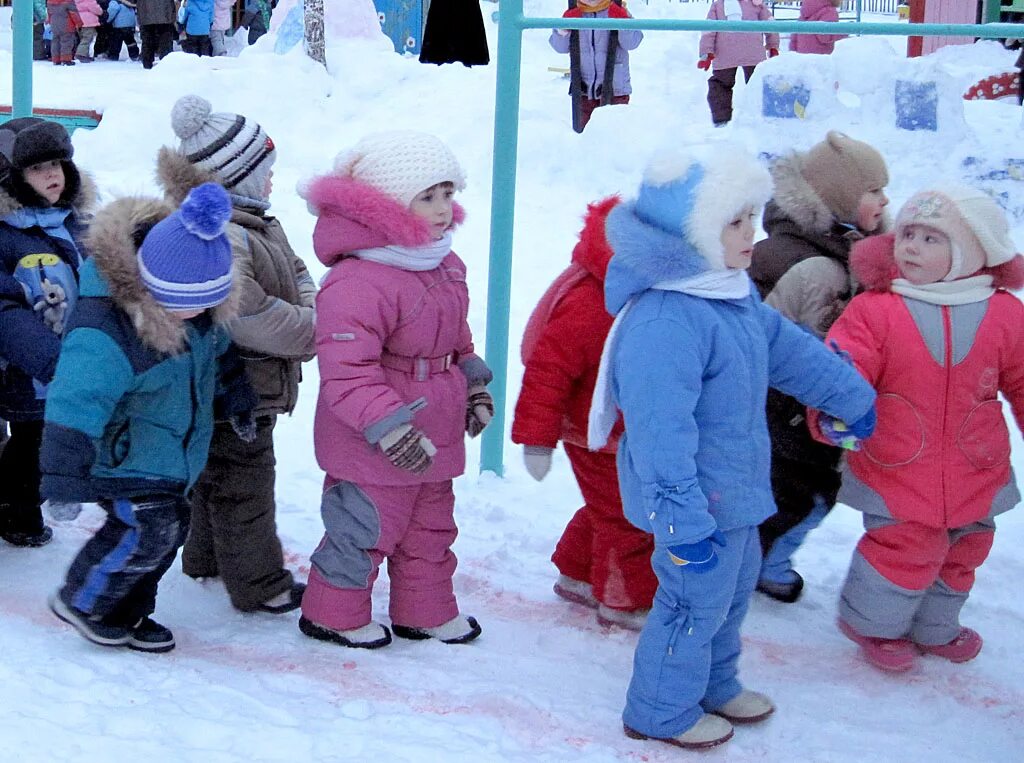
984,438
899,437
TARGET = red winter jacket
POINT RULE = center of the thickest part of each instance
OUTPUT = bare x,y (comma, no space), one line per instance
565,352
940,455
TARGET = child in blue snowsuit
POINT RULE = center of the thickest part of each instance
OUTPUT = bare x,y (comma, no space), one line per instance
689,362
131,408
44,204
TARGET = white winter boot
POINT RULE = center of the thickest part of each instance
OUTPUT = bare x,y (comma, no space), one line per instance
575,591
630,619
746,707
709,731
370,636
459,630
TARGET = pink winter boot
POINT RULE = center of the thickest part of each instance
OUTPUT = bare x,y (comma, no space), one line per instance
895,655
963,648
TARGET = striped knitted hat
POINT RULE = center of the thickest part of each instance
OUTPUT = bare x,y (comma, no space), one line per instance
235,149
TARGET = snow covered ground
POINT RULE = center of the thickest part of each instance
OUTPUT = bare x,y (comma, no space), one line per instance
544,683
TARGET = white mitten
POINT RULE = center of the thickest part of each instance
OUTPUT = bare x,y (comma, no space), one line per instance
538,460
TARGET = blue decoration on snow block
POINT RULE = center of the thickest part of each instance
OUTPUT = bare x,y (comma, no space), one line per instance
917,105
784,99
291,32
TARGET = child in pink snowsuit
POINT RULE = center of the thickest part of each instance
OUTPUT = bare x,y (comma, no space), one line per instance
939,337
817,10
725,52
400,387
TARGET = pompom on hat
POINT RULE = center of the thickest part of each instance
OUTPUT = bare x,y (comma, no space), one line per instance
401,164
234,149
972,220
697,192
185,259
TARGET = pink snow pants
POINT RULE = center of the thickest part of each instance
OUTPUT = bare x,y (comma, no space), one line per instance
413,526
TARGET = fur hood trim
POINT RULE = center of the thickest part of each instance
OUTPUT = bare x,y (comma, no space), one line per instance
113,240
797,200
177,175
354,215
592,251
873,264
644,255
82,205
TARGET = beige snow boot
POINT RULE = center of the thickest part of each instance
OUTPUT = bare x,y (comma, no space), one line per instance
746,707
709,731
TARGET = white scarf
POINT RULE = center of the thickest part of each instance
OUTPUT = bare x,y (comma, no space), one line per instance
733,9
417,258
962,291
714,284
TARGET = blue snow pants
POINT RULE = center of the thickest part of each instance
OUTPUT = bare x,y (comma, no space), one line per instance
115,575
686,660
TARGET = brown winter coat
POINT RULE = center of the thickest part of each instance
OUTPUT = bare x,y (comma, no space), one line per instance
802,270
275,328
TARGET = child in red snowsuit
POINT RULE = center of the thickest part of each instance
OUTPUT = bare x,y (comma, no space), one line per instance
604,561
939,337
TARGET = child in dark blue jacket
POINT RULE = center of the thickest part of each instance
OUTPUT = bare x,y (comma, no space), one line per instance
689,361
131,407
43,199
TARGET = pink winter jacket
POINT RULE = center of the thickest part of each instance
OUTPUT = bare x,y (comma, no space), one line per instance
816,10
90,12
732,49
375,325
222,15
940,455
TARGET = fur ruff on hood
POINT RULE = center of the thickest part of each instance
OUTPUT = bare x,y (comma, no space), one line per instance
178,176
81,205
873,263
592,251
797,200
353,215
113,240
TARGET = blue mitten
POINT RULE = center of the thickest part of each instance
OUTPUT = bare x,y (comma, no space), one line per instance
700,557
864,427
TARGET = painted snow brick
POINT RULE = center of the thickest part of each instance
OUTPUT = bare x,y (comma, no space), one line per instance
783,98
917,105
1001,177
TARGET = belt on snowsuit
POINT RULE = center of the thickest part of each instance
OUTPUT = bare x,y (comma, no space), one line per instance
420,368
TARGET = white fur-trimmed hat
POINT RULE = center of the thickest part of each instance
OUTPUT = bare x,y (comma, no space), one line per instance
401,164
975,224
696,192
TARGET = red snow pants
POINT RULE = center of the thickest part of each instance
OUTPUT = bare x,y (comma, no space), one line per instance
599,545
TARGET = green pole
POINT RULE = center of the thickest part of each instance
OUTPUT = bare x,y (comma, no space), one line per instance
21,105
991,11
503,195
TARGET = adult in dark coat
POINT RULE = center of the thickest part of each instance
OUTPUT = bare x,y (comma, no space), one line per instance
156,23
454,32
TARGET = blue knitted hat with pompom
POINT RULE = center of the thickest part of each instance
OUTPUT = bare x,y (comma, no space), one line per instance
185,260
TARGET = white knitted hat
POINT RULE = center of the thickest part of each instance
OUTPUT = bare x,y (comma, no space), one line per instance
401,164
975,224
235,149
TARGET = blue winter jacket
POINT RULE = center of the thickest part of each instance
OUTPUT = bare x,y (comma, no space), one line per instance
198,17
32,264
121,15
131,407
691,376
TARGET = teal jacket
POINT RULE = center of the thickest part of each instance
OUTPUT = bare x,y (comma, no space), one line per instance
131,407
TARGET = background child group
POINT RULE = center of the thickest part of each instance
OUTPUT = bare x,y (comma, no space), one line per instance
148,349
84,30
604,54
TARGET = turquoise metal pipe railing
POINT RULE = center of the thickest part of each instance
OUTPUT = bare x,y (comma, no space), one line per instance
21,50
511,24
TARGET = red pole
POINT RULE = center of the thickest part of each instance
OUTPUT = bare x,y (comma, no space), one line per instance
915,45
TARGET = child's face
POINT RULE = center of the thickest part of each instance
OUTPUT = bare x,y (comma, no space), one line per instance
870,210
270,185
923,254
186,315
738,240
46,179
435,206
